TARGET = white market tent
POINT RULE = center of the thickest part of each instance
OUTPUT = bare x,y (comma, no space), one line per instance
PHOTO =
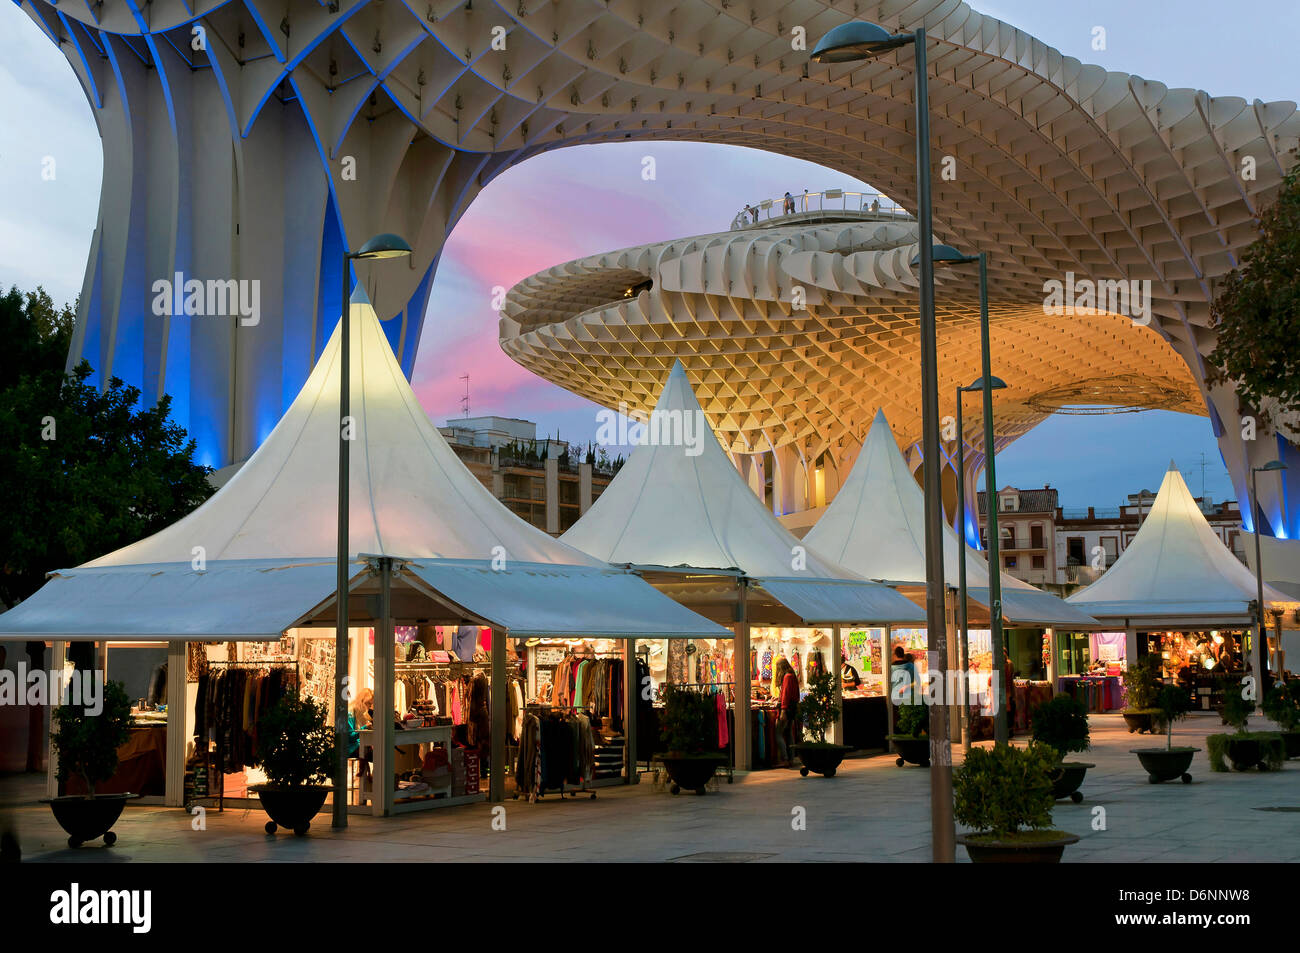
679,504
267,538
258,557
1177,572
875,526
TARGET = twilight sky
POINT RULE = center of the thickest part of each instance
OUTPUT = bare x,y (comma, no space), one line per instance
585,200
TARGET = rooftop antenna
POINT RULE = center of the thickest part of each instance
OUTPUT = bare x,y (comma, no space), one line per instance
464,401
1203,466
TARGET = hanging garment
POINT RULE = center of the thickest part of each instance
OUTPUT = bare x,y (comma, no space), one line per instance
723,737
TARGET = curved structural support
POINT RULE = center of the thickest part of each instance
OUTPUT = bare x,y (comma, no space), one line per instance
234,129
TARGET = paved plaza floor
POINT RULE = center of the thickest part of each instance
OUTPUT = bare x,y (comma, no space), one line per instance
871,811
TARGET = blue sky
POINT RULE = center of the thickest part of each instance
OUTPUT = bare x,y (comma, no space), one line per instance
594,200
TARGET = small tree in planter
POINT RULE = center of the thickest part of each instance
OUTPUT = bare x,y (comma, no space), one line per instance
912,740
1282,704
1172,704
684,735
85,745
1141,687
1004,794
1245,749
1062,725
819,713
296,749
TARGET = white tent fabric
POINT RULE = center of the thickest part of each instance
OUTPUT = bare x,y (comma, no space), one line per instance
1175,567
410,494
411,498
544,600
876,527
235,600
830,602
678,503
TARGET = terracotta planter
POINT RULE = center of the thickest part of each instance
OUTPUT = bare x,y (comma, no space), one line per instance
291,808
691,772
1165,764
912,750
1143,722
1066,784
820,758
984,850
85,818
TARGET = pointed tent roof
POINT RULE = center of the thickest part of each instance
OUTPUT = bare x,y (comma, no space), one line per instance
1176,567
875,526
679,502
269,535
410,494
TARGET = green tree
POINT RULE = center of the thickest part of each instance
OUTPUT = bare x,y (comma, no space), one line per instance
82,472
1257,310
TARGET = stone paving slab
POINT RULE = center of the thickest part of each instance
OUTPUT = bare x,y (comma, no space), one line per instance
871,811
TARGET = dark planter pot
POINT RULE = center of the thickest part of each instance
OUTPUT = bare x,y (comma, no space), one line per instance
1244,753
1165,764
1066,784
691,773
1013,851
1292,741
291,808
1143,722
820,759
85,818
912,750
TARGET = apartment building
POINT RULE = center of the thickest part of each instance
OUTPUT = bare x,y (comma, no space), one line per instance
1026,532
546,482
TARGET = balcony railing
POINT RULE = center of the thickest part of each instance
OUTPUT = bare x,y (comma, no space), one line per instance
825,202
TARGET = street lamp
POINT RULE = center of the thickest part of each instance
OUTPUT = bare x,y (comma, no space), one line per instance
1260,651
1001,734
381,246
846,43
993,383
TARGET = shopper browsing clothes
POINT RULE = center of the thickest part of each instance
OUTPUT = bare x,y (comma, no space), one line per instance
904,678
788,716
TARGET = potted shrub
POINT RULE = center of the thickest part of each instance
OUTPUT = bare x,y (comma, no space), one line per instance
1062,725
1282,704
1004,794
684,733
1167,763
86,746
912,740
295,747
819,711
1245,749
1141,686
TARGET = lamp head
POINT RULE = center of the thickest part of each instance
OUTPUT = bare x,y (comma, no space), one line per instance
945,254
386,245
995,383
856,41
1271,465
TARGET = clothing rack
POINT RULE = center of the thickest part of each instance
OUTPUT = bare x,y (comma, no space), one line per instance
207,752
551,709
715,688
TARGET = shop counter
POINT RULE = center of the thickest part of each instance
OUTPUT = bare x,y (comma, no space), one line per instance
866,721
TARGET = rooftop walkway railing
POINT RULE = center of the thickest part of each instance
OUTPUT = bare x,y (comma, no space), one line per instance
816,206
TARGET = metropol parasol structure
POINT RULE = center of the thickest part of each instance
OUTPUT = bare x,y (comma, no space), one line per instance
248,140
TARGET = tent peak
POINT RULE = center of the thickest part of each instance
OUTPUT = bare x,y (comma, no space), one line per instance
359,295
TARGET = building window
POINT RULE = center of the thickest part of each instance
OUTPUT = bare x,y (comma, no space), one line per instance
1110,546
1036,536
1074,551
1007,504
1040,562
1009,562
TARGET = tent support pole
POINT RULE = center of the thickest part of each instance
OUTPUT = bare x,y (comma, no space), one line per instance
381,785
887,666
500,716
837,730
630,700
174,790
59,657
742,676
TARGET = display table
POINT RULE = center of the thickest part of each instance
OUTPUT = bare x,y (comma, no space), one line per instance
1100,693
141,766
434,734
866,721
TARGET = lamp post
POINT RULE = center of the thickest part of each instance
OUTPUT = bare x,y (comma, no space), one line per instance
846,43
1260,653
993,383
381,246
